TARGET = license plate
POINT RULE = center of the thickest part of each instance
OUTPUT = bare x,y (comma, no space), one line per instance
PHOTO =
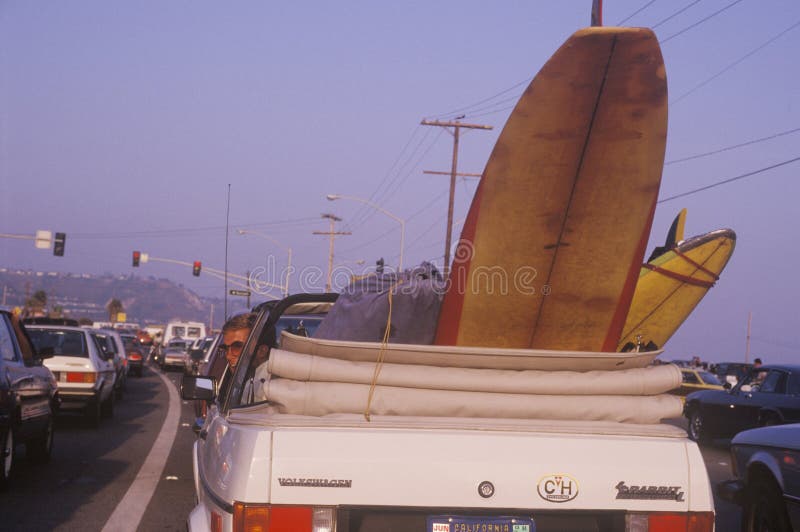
456,523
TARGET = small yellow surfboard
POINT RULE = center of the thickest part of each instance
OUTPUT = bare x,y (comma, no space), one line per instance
671,285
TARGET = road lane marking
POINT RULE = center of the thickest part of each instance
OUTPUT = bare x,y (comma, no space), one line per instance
130,510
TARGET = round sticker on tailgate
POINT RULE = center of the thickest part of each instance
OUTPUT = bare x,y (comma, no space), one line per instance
557,488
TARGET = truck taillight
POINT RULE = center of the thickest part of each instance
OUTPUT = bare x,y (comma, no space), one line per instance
216,522
81,376
269,518
670,522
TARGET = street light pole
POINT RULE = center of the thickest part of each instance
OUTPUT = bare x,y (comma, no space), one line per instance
333,197
276,242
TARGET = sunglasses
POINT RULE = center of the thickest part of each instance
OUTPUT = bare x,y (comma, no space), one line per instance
236,346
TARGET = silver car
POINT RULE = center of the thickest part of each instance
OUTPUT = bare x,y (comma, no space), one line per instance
766,463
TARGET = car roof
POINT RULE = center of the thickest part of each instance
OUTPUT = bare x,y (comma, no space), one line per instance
792,368
58,328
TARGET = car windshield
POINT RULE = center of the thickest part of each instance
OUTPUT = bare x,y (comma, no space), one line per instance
709,378
63,343
300,325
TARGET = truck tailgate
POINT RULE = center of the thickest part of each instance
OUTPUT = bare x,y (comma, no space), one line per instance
449,468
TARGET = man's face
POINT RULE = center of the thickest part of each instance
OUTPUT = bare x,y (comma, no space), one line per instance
234,341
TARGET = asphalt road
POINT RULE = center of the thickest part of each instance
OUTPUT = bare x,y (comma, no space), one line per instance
92,469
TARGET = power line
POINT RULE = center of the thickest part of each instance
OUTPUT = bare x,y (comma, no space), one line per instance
514,99
675,14
364,208
626,19
156,233
730,66
364,212
709,17
397,184
479,102
729,180
493,112
735,146
393,229
390,192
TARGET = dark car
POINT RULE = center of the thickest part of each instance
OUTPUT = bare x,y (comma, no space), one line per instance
768,395
28,397
766,464
135,351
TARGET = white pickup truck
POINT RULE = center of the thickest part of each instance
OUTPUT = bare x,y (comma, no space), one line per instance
311,435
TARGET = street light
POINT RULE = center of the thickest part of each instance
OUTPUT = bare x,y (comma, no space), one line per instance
333,197
277,243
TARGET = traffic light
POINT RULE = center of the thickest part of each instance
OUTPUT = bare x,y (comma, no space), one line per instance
58,244
379,263
137,256
196,268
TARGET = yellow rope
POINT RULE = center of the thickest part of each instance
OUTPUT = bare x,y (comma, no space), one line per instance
381,352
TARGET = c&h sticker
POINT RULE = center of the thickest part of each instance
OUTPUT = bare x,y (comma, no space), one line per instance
557,488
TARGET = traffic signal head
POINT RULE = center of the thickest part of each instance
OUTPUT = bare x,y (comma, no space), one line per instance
379,265
196,268
137,256
58,244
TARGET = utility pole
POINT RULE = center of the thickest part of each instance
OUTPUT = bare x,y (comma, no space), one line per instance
211,319
747,345
332,218
456,132
247,274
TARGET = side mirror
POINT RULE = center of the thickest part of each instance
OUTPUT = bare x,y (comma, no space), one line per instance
198,388
196,355
727,385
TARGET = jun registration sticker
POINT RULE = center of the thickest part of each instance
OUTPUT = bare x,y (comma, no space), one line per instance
460,523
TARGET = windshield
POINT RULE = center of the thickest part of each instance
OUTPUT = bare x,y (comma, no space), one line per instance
63,343
246,384
178,331
300,325
709,378
194,332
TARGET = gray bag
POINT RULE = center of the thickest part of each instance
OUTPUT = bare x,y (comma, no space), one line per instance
360,314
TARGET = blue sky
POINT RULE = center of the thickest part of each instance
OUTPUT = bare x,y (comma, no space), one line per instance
122,124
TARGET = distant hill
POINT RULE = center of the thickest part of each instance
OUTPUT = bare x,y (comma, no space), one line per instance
146,300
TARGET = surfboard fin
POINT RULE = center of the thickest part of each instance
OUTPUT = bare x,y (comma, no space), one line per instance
674,236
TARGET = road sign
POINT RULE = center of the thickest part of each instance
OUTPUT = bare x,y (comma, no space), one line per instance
245,293
43,239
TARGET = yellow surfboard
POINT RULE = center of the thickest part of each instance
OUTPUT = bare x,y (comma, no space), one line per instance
671,285
555,236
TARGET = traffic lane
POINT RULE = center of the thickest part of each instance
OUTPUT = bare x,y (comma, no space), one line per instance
174,496
718,465
90,468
